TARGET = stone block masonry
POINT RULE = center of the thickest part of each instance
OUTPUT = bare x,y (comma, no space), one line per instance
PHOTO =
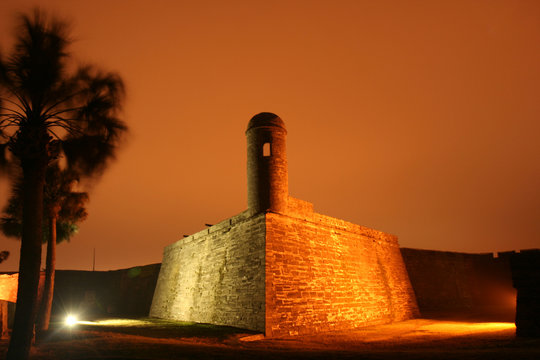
326,274
216,275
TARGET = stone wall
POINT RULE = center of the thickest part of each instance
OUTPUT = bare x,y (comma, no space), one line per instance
216,275
327,274
458,283
8,286
125,292
88,294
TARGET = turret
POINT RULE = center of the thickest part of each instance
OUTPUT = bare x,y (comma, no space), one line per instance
268,181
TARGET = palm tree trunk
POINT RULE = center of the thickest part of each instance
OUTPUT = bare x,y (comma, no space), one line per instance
30,260
44,315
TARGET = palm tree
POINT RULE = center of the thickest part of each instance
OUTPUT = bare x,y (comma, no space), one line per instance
46,111
64,209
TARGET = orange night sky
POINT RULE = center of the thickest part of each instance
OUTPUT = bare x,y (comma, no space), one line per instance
417,118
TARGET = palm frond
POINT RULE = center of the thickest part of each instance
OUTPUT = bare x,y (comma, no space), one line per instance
38,60
65,231
11,227
58,190
88,155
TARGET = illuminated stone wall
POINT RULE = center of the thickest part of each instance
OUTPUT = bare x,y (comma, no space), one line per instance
285,274
9,283
8,287
326,274
215,276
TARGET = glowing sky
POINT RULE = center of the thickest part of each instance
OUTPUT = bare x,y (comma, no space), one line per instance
417,118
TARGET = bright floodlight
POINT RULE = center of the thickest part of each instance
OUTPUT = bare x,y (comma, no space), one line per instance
71,320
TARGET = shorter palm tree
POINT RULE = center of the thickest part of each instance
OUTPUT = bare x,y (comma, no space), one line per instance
64,209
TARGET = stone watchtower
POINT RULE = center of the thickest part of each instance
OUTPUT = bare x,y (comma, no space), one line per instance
268,180
279,267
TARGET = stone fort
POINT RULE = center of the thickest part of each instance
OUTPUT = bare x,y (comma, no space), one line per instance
279,267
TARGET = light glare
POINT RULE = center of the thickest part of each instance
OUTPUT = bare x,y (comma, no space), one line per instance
71,320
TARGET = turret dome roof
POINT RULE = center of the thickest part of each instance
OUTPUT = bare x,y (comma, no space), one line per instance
266,119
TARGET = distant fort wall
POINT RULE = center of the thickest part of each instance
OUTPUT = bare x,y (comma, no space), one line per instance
454,282
125,292
216,275
88,294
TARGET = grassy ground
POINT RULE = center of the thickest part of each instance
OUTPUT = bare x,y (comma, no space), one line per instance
158,339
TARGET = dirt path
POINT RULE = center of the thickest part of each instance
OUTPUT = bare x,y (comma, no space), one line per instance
154,339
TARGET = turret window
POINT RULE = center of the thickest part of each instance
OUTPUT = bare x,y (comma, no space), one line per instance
267,150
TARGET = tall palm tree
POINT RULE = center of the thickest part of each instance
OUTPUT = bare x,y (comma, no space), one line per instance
64,209
47,111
